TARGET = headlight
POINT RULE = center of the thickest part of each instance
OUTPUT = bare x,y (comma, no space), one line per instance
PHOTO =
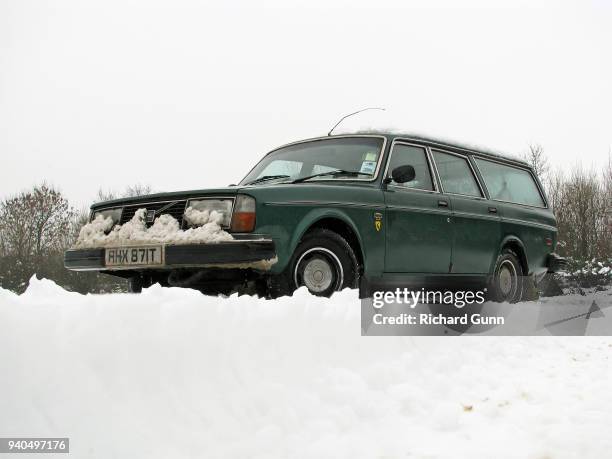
114,214
223,206
243,220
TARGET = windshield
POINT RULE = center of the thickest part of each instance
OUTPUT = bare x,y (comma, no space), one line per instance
358,155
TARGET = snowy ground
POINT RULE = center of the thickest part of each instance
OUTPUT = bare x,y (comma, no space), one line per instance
171,373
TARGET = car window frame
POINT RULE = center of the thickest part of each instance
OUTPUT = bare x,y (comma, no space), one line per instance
428,158
523,168
483,195
381,154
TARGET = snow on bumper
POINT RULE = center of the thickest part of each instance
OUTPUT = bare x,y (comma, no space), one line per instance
258,254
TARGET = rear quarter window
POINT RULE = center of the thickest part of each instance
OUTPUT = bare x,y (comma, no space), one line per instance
511,184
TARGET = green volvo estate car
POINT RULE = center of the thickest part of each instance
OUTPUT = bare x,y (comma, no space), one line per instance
373,209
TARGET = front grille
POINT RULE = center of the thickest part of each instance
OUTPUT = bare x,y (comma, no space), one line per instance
174,208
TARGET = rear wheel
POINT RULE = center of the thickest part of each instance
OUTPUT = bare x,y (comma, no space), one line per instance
507,284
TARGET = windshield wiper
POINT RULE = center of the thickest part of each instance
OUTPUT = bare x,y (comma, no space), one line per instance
335,173
265,178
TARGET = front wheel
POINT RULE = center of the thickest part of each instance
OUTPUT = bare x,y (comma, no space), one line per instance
507,284
323,263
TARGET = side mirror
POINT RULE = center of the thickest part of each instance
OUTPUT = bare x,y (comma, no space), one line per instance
403,174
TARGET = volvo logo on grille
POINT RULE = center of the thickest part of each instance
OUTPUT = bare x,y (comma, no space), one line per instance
150,216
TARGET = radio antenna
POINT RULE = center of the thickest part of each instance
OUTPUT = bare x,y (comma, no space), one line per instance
351,114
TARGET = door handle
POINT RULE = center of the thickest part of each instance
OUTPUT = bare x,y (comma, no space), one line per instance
442,203
493,210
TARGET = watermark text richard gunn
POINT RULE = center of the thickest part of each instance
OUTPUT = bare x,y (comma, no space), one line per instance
412,298
422,312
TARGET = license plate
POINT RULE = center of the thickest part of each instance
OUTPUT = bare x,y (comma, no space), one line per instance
119,257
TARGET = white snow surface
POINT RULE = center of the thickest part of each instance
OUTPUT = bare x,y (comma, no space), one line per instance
172,373
165,230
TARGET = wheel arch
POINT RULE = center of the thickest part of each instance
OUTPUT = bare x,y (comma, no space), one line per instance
335,221
515,244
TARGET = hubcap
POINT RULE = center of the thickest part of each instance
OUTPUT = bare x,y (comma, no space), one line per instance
318,275
507,279
319,269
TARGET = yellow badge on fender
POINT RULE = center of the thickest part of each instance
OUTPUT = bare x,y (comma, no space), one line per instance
378,221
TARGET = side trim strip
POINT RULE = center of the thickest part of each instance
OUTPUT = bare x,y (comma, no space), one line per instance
421,210
323,203
473,215
527,223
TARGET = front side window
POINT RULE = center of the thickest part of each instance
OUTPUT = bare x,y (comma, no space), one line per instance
507,183
456,174
408,155
357,157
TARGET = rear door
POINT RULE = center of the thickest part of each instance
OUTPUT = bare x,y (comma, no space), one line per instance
418,235
476,223
522,208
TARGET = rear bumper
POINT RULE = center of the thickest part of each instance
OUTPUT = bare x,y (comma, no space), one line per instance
230,254
555,263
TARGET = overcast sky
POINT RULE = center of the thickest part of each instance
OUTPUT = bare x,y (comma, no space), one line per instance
183,95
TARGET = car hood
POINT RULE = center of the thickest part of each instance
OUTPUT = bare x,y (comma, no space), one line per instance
175,195
274,191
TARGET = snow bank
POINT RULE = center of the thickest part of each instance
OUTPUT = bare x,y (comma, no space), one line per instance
172,373
165,230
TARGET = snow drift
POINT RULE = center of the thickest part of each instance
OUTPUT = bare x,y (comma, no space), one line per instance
165,229
172,373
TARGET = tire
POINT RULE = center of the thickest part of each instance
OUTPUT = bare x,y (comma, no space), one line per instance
508,282
323,262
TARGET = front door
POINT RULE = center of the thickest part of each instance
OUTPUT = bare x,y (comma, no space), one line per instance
419,235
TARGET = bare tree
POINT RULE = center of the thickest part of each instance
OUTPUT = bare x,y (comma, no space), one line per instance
129,192
35,222
607,180
137,190
554,187
105,195
538,160
33,229
581,205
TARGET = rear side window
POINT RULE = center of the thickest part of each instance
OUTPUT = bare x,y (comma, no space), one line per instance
407,155
456,175
507,183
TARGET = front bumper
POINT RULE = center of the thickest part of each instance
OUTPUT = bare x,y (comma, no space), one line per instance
230,254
